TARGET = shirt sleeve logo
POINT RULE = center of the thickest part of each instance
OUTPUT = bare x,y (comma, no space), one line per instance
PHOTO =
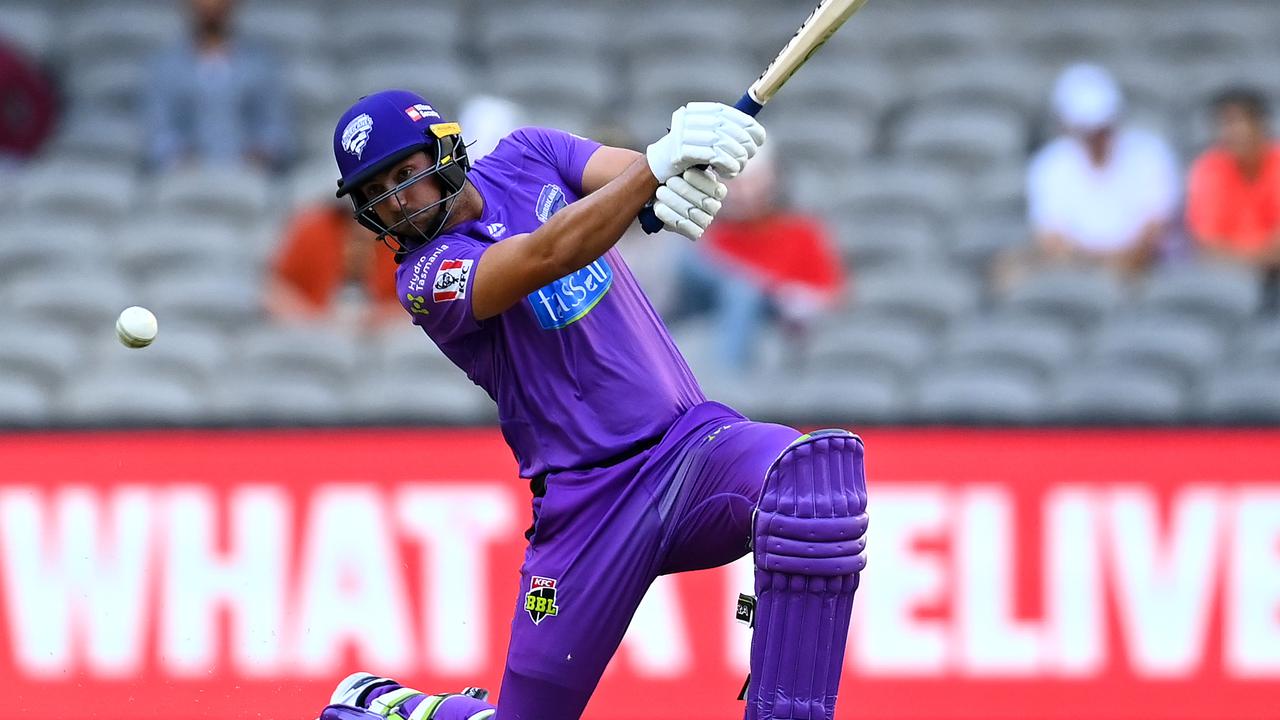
550,201
451,281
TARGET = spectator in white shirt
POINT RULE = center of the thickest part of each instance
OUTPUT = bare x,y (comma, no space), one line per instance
1100,193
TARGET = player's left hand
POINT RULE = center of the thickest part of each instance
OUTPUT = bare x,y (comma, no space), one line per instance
688,203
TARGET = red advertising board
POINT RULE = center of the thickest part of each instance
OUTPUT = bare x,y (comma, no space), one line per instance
1012,574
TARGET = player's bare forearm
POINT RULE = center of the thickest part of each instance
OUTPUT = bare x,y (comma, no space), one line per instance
585,230
573,238
606,164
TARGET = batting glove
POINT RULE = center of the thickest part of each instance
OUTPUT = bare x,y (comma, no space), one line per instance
706,133
688,203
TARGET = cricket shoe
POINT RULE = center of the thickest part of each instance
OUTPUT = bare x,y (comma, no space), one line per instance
372,697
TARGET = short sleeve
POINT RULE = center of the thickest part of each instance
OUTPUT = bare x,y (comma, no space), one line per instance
435,287
566,152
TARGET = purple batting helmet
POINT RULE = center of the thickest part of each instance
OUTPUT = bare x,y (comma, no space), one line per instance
383,129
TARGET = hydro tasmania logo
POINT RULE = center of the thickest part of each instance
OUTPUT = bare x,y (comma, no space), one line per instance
540,601
568,299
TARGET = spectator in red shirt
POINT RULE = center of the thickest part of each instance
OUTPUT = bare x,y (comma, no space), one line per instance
1233,207
759,261
332,270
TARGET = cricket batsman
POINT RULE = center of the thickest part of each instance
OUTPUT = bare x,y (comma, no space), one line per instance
509,266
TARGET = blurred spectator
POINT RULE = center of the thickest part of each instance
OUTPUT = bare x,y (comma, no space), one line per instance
331,269
759,261
1233,200
213,98
485,120
27,107
1100,193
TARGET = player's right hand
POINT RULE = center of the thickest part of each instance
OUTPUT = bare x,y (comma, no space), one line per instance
687,203
706,133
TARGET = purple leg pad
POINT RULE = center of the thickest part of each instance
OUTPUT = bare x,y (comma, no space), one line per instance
808,539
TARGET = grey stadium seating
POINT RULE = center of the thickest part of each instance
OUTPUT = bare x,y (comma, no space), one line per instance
23,403
933,295
880,344
320,351
1111,395
1078,296
123,395
445,396
1222,294
28,26
1248,395
1163,342
1020,344
974,393
277,397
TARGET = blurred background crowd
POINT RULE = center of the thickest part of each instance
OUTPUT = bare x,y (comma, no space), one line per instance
989,212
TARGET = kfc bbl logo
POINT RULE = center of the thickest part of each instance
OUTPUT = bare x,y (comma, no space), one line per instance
540,601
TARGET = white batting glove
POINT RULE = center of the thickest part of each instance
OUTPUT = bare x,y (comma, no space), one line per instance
688,203
706,133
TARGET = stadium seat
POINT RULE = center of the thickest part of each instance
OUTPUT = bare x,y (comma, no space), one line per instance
1170,343
804,137
1242,395
978,238
869,243
974,393
29,27
930,295
1222,294
833,397
43,243
95,195
123,32
1079,296
974,139
443,81
43,351
229,300
405,351
103,137
546,29
23,404
1020,344
908,187
1260,344
1062,35
831,83
195,352
581,88
445,397
996,82
397,30
671,29
124,395
317,350
88,296
276,397
153,245
237,196
864,341
291,31
1118,395
319,91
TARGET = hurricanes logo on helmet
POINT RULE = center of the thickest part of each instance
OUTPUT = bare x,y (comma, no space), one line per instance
356,136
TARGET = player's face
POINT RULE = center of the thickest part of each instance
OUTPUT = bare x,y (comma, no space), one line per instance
400,209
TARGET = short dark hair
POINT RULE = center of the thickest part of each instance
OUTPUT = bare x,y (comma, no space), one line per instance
1247,99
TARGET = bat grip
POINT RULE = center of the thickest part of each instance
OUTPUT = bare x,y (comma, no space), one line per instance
649,221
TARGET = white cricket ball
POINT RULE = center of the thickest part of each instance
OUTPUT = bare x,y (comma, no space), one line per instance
136,327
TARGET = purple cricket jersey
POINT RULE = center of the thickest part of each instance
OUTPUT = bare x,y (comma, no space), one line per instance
583,369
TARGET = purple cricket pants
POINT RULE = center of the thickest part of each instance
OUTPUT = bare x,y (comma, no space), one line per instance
601,536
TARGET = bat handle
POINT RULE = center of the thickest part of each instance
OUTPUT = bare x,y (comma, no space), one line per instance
649,221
